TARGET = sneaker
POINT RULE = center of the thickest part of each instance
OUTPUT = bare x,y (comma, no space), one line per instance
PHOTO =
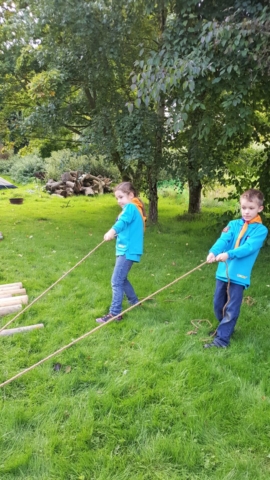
108,317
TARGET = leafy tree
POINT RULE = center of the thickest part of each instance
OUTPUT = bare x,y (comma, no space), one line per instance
213,72
75,59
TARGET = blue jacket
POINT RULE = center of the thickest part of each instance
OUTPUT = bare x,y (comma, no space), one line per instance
241,259
130,232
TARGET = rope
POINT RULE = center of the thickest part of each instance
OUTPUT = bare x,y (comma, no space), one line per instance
100,326
48,289
197,325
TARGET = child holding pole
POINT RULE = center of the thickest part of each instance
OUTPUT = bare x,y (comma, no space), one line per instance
129,232
236,251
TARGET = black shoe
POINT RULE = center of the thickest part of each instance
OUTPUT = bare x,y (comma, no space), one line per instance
213,333
108,317
209,345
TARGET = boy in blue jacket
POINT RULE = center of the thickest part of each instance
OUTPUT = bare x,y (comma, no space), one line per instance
129,232
236,251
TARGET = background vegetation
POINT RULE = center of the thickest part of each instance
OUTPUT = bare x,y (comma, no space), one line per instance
180,87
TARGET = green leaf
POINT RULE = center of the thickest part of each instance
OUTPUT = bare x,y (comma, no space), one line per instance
138,102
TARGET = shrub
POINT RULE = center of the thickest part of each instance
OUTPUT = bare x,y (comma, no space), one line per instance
23,169
5,165
170,188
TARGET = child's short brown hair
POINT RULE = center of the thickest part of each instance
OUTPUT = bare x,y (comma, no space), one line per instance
253,195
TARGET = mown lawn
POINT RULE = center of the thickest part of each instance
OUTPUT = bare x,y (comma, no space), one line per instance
140,399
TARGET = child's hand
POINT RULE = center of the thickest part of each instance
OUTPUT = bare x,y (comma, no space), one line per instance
210,258
222,257
110,235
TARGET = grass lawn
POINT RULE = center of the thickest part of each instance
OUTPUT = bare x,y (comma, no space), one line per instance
139,399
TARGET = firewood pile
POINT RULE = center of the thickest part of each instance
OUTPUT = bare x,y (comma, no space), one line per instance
75,183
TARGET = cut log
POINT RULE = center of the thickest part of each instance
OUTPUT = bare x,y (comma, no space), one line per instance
77,187
9,285
54,185
69,192
5,302
74,183
8,310
89,191
66,177
11,331
70,184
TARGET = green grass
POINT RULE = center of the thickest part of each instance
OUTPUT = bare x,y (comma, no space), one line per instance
140,399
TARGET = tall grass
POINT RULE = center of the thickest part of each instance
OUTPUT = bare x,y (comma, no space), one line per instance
139,399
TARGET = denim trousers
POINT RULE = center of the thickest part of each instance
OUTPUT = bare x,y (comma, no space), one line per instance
228,318
121,285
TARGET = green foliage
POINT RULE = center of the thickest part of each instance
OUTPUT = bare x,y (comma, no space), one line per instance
23,169
171,187
205,50
5,165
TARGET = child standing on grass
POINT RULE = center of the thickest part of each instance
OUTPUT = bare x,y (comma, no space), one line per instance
236,250
129,233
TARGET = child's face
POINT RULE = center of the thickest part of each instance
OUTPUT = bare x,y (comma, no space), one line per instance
249,209
123,198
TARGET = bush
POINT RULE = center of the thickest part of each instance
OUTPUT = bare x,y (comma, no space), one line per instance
170,188
5,166
65,160
23,169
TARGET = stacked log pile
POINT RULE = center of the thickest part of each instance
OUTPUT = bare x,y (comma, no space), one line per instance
12,297
73,183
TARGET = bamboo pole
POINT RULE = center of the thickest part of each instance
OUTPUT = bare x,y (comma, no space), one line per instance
14,301
11,309
11,331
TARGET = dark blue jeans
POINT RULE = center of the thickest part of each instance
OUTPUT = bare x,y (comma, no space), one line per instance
228,318
121,285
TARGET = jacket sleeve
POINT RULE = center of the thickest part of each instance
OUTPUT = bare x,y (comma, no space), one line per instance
225,240
125,218
253,243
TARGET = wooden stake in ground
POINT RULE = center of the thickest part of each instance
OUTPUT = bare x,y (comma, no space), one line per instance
10,285
11,331
10,309
23,299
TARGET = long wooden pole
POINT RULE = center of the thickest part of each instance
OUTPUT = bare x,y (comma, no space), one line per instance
97,328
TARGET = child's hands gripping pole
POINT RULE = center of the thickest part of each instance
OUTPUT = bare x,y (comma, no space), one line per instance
221,257
109,235
210,258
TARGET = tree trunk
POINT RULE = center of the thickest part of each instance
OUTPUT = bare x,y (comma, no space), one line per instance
195,191
152,176
153,200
